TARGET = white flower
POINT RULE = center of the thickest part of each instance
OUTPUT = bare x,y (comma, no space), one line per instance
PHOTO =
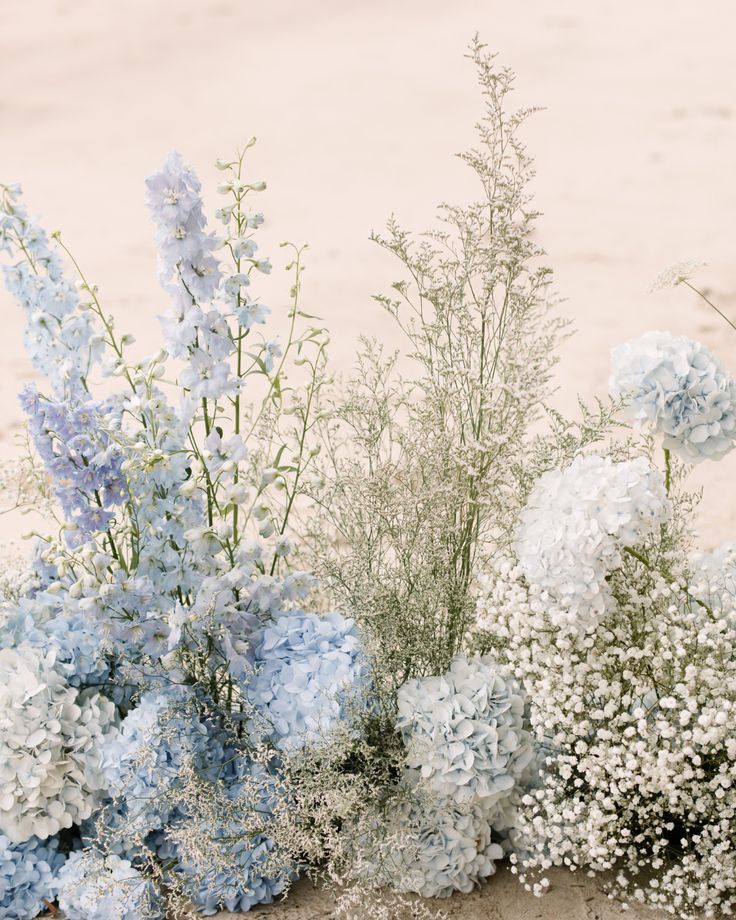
96,887
678,388
464,731
575,523
50,740
676,274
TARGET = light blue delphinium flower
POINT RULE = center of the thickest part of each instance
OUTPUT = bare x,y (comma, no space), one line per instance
27,875
187,266
677,387
464,731
307,669
96,887
59,337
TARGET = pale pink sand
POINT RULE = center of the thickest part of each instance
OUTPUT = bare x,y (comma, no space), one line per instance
359,107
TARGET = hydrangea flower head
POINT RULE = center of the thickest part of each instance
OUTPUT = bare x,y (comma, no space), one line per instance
143,762
237,868
96,887
50,740
27,876
678,388
431,847
464,731
79,651
576,522
308,667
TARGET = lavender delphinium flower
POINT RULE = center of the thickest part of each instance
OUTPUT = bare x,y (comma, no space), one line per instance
464,731
307,669
577,521
27,876
678,388
51,736
84,463
92,886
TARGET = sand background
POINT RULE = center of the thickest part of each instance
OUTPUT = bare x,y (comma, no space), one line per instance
359,108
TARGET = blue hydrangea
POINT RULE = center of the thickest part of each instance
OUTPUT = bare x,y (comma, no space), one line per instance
238,867
27,876
677,387
464,732
307,670
79,652
96,887
143,762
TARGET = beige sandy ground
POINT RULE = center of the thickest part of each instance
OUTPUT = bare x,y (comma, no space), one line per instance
359,107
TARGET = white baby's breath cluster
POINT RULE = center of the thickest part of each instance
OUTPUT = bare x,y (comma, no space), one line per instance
576,524
633,722
676,387
51,736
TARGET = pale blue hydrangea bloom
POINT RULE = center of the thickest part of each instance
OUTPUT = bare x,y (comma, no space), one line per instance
430,846
142,763
78,649
51,736
678,388
246,882
573,528
308,669
96,887
27,876
464,731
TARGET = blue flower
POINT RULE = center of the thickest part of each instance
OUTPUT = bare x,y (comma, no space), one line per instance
144,762
27,876
96,887
678,388
239,867
464,732
307,670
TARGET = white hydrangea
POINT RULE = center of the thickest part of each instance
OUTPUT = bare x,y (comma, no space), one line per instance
464,731
679,389
575,523
50,740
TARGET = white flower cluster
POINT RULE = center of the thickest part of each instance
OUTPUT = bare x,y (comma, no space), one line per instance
678,388
575,525
713,579
634,723
50,740
464,731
